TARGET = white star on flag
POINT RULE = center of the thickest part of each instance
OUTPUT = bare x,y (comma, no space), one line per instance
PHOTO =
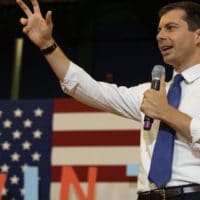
17,134
38,112
15,157
7,123
22,191
27,123
5,168
26,145
36,156
37,134
6,145
4,191
18,112
14,180
24,167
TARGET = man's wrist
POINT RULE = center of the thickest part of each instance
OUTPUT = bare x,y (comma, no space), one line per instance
49,49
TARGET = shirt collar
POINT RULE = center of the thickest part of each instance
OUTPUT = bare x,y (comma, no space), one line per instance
190,74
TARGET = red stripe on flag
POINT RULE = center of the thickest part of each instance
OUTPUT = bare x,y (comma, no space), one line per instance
104,174
71,105
97,138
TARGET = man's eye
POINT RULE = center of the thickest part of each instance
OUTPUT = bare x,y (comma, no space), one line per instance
170,28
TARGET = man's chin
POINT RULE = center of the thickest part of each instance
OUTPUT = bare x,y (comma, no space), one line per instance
167,60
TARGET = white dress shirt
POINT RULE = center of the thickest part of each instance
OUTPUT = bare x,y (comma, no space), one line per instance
126,102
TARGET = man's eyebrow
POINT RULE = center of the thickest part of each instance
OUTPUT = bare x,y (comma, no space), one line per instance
166,25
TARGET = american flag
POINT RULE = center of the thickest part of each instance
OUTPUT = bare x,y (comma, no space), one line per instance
25,135
50,134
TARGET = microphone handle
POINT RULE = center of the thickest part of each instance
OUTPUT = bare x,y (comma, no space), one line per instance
148,121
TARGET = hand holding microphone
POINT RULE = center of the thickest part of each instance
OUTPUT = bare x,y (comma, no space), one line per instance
157,72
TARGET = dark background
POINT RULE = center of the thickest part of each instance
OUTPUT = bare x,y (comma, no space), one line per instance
113,40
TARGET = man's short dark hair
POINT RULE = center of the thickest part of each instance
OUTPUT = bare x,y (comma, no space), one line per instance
192,12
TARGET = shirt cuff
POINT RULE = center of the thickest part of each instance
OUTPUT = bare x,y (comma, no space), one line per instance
70,79
195,132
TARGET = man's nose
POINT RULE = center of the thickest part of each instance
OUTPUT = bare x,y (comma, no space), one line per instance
161,35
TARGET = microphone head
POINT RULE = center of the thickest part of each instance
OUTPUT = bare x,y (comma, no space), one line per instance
157,72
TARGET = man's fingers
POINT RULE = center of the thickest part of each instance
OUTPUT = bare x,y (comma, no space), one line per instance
162,82
24,21
36,6
24,7
25,29
49,18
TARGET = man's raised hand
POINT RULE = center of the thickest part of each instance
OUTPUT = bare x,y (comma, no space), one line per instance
36,27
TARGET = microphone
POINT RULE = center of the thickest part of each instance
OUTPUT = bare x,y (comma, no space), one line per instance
157,72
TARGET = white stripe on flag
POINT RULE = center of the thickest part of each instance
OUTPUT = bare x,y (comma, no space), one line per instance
92,121
95,155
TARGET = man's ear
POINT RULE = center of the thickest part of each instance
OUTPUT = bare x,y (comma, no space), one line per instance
197,32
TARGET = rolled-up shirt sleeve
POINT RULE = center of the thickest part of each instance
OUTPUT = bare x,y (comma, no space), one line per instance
195,132
70,81
109,97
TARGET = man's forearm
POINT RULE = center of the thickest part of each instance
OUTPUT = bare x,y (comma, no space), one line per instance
59,62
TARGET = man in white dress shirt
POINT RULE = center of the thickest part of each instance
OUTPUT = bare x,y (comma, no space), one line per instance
178,39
